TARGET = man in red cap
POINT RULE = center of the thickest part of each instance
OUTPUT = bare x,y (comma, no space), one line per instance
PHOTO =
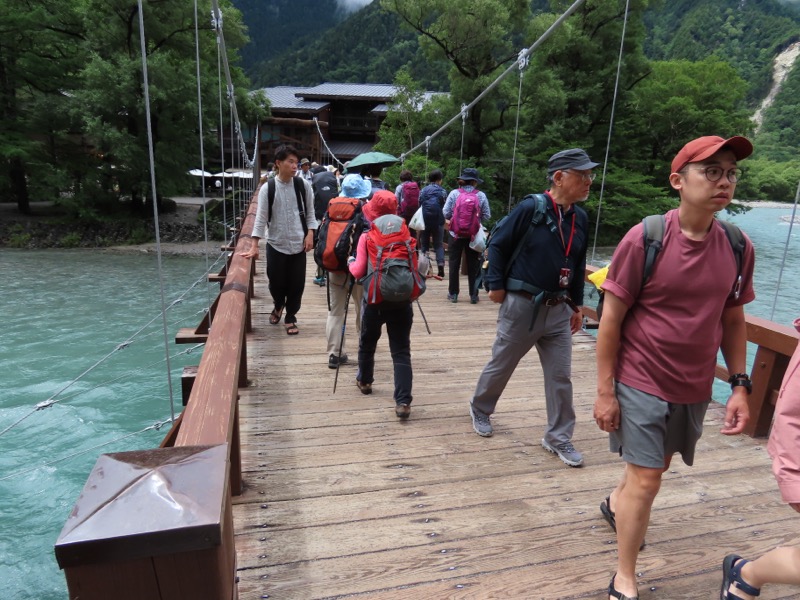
658,340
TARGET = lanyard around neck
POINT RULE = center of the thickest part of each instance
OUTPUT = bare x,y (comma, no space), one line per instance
566,245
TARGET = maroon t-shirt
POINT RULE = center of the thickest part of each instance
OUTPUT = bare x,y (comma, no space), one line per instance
673,328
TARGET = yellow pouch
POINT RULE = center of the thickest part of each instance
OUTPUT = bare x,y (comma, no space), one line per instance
598,277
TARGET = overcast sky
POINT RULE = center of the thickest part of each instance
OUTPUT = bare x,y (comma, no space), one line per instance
350,5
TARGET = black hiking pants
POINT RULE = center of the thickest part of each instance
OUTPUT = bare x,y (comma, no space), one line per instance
287,280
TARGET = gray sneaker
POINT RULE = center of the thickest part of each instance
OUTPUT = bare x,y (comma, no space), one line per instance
566,452
480,422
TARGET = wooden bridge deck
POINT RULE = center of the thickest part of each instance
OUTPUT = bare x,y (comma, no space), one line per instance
343,500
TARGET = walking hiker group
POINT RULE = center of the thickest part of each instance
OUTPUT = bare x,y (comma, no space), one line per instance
653,380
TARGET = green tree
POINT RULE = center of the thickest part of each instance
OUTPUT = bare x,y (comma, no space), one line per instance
40,52
111,103
476,37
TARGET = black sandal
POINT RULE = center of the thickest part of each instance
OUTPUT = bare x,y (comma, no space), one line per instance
275,316
732,575
610,517
612,591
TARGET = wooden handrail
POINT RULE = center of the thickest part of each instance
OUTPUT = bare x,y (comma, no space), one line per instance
198,466
776,344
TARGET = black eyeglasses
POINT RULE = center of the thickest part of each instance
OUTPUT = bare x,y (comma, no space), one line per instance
714,174
584,176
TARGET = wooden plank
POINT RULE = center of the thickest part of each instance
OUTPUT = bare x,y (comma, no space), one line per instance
341,499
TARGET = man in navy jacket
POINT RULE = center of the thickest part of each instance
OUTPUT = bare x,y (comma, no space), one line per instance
540,294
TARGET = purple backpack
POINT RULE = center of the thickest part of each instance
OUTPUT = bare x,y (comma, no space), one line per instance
466,218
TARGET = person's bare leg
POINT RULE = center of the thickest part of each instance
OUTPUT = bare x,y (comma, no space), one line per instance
632,502
781,565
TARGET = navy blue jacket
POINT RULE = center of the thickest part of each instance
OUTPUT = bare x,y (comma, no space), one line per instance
539,263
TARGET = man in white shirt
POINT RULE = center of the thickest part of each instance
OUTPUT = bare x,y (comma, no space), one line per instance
286,212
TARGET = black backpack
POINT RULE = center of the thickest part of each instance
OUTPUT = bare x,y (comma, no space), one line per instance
653,235
539,215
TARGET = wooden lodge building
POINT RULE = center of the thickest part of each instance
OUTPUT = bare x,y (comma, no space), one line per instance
344,116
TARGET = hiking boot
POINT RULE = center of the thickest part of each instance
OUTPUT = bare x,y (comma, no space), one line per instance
441,271
480,422
473,299
402,411
334,361
452,298
566,452
366,388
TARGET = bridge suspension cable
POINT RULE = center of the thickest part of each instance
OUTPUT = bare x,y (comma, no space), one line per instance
785,252
556,24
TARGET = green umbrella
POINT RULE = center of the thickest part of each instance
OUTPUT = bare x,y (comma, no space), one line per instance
372,158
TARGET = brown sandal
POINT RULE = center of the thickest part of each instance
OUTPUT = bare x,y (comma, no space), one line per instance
291,329
275,316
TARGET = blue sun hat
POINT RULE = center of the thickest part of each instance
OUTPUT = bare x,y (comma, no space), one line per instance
355,186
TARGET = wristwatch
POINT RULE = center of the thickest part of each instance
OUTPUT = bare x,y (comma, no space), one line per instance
741,379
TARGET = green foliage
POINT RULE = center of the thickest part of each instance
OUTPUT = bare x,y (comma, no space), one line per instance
70,240
139,234
369,47
747,35
628,196
18,237
765,179
779,137
677,102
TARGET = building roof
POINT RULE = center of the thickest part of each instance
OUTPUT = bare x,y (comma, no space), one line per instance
289,98
381,92
313,99
344,150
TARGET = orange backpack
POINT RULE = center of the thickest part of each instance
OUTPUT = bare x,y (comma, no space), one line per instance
338,234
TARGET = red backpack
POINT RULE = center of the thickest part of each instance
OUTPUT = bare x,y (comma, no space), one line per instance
409,199
338,234
392,268
466,218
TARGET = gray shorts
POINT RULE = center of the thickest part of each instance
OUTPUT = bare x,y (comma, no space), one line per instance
651,429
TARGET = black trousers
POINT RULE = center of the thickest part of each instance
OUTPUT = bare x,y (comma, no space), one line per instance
287,280
455,248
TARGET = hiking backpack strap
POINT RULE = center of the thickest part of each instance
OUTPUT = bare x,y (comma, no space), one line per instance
653,233
736,238
299,194
539,215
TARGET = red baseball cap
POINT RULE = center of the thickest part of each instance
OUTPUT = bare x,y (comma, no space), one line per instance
703,147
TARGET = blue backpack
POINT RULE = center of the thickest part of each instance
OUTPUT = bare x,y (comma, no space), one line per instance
431,199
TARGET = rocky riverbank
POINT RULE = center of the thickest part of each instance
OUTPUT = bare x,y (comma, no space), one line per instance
180,232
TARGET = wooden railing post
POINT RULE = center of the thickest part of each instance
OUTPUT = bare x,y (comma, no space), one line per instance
768,370
153,524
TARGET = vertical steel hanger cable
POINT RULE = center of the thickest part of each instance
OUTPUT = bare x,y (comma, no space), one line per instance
522,61
145,86
464,113
610,129
217,26
202,149
785,252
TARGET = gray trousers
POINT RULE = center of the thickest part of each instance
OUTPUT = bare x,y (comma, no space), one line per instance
553,340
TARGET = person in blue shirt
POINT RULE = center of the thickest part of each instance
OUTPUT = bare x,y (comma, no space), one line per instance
468,181
431,199
540,295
